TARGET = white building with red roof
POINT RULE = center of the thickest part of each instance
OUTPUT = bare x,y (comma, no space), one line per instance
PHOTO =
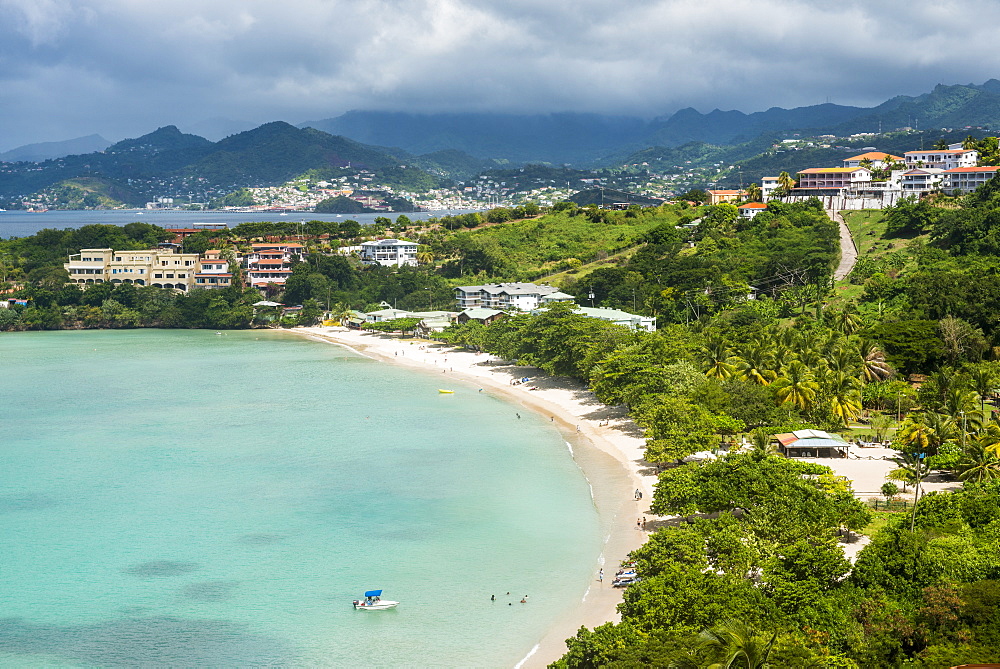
751,209
942,159
967,179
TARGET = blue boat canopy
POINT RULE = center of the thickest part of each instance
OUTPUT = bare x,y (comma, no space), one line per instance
373,593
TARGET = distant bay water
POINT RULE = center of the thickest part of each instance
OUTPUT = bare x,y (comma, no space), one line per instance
23,223
186,498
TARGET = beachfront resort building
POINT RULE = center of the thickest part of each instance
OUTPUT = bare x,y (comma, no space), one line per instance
271,263
389,252
619,317
503,296
160,268
213,272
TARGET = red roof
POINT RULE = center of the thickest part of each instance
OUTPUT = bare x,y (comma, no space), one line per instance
972,169
940,151
873,156
752,205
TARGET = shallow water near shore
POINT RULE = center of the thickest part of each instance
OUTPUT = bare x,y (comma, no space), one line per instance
187,498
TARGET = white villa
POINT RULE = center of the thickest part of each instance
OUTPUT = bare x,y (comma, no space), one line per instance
389,252
521,296
944,159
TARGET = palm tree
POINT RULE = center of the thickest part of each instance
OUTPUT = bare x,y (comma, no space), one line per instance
873,364
786,182
979,461
718,360
928,431
984,381
753,193
424,255
761,444
738,645
341,313
796,385
756,366
845,397
960,401
847,320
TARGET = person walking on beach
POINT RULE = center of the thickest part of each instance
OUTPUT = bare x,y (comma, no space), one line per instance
644,522
600,575
638,523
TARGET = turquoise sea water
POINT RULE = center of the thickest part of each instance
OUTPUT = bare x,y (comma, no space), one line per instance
188,499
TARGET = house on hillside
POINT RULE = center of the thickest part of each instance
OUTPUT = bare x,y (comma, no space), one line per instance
967,179
751,209
389,252
503,296
213,273
832,177
917,182
944,159
719,196
767,187
878,159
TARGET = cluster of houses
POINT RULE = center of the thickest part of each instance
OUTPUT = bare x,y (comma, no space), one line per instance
490,302
168,267
875,179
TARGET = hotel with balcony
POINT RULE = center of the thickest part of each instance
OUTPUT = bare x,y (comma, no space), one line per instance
159,268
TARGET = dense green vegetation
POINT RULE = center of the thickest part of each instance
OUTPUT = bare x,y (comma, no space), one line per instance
748,343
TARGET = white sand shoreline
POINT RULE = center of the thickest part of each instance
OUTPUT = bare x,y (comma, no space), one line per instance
614,469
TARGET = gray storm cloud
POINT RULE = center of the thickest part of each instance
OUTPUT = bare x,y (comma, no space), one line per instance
123,67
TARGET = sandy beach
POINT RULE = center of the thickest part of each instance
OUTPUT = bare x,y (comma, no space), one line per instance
607,445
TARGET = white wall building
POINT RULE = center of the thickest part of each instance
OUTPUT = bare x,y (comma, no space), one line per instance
389,252
522,296
619,317
922,180
967,179
946,159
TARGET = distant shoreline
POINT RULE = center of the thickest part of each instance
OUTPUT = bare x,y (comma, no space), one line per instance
612,461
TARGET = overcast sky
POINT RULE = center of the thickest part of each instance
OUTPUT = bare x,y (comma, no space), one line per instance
121,68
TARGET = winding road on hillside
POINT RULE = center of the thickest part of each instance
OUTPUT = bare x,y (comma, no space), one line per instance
848,251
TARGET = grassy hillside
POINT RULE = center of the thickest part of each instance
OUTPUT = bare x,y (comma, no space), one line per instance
559,241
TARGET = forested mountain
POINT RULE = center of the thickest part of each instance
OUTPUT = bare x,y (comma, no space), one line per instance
168,162
595,139
49,150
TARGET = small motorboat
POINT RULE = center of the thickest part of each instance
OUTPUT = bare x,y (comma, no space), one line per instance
373,602
446,392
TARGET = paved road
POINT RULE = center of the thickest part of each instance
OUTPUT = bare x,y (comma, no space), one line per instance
848,251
